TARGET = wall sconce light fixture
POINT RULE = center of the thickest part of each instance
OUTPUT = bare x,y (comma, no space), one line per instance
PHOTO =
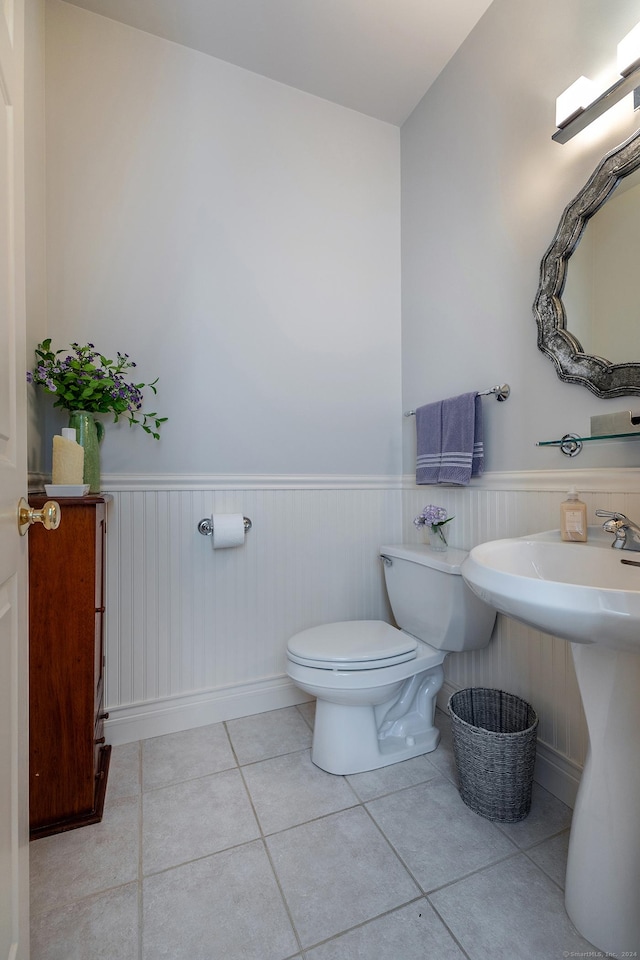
629,52
580,104
574,101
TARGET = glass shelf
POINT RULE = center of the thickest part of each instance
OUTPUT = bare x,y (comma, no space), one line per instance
571,443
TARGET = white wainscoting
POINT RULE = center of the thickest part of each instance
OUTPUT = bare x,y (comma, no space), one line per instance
532,665
195,636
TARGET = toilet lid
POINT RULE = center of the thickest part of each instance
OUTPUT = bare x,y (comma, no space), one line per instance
352,645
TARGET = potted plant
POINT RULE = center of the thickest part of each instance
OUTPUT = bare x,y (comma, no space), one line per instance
85,382
435,519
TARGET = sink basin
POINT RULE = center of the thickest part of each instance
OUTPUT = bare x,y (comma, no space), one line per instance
582,592
587,594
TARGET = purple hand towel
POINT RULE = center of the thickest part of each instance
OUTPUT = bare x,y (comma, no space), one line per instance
477,463
449,440
429,442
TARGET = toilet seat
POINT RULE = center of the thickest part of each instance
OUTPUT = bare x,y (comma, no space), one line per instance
352,645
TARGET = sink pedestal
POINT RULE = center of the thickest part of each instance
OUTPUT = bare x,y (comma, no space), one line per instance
585,594
603,871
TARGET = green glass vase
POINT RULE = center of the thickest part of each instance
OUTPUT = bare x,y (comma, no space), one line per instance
89,434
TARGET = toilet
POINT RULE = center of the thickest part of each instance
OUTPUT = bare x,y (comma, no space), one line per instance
375,684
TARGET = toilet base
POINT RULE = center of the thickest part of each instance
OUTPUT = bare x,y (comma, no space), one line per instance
351,738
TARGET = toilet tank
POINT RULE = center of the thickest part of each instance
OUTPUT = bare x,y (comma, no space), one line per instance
431,601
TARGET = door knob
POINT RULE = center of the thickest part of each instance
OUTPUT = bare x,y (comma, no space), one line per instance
49,516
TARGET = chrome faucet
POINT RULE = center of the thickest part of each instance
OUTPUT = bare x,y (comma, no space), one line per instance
627,533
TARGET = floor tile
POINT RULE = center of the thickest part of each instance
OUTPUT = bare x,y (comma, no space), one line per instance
547,816
269,734
225,906
103,927
442,757
551,856
337,872
194,819
78,863
511,911
308,711
436,835
290,790
377,783
349,854
185,756
412,933
124,771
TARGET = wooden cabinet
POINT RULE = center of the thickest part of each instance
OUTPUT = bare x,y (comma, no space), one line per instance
69,760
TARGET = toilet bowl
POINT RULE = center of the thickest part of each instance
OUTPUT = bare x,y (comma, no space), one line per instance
375,684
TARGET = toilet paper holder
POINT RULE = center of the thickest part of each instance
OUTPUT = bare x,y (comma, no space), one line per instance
205,527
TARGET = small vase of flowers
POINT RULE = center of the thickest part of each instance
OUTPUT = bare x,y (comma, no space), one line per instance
85,382
433,519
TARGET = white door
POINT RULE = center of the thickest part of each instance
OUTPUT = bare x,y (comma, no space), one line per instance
14,661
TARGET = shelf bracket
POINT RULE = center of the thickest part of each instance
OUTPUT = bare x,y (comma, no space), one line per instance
570,444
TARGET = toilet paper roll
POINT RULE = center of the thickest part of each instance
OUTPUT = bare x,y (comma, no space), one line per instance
228,530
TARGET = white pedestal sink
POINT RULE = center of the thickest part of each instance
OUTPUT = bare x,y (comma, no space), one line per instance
585,594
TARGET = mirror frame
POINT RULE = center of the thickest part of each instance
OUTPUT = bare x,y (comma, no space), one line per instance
602,377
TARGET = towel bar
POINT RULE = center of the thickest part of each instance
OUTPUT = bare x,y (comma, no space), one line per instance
500,391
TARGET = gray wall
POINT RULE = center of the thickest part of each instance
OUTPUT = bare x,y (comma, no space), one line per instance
483,190
239,238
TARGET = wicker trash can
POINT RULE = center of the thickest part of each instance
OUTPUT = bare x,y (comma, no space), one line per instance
494,743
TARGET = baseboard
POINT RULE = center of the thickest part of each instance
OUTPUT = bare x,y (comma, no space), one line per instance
553,771
557,774
140,721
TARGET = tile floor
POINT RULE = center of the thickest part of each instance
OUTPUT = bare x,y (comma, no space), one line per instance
226,843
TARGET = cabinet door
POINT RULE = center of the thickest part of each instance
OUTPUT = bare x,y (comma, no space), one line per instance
98,668
98,665
63,667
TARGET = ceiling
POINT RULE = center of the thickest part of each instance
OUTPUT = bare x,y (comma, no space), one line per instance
375,56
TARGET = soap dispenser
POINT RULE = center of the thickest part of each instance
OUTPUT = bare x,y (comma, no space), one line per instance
68,459
573,518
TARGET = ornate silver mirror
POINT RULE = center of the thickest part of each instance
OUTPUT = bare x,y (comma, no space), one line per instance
598,305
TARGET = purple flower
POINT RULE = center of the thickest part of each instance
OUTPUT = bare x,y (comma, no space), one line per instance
432,516
87,379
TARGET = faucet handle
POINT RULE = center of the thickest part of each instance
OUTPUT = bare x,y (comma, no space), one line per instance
612,515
